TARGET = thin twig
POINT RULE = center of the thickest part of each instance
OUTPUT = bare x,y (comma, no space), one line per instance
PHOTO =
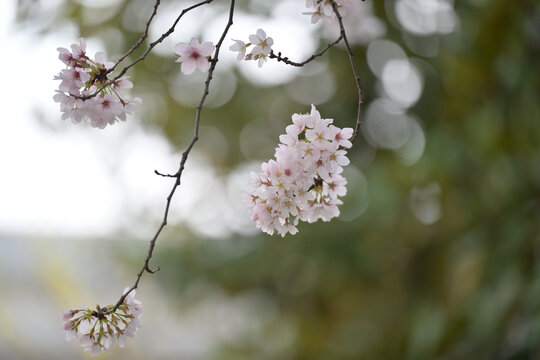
309,59
183,160
141,39
164,175
143,56
355,72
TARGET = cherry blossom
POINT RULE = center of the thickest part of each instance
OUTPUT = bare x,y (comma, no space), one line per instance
241,47
304,181
97,330
84,76
263,44
323,9
261,50
194,56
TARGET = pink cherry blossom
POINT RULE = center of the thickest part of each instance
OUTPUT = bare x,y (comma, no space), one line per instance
194,56
84,76
303,182
342,136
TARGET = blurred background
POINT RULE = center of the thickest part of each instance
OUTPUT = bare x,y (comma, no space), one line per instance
436,254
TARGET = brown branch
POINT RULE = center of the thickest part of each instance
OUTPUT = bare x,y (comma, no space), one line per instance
152,45
141,39
309,59
355,72
164,175
183,160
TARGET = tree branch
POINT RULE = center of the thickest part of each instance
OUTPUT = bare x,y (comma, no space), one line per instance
141,39
152,45
309,59
183,160
355,72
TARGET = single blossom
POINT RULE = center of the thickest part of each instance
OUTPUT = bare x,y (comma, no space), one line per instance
303,181
263,44
239,46
194,56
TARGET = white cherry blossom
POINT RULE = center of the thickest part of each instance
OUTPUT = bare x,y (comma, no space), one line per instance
97,330
261,50
241,47
322,9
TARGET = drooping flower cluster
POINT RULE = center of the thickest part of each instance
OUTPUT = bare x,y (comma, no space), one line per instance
194,56
323,9
261,50
96,330
83,76
304,182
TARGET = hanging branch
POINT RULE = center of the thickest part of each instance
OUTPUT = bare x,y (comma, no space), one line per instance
178,174
342,36
355,72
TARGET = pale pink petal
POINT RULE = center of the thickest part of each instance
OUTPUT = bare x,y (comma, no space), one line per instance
253,39
203,64
82,43
346,133
180,48
188,66
206,48
95,349
261,34
100,57
256,51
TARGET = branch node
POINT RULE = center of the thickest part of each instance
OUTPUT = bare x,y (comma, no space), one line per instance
165,175
152,271
287,61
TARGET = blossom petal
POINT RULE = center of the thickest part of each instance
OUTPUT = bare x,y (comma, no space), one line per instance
206,48
180,48
203,64
188,66
261,34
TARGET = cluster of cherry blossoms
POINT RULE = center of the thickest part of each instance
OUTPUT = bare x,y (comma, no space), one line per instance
83,77
97,330
261,50
304,182
323,9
